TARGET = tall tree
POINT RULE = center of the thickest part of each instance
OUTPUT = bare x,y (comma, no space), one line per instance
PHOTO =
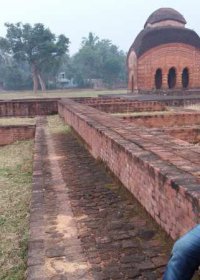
99,59
37,45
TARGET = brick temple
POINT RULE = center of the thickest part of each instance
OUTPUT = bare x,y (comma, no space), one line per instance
165,55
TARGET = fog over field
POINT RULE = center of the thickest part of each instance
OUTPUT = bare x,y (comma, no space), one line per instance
119,21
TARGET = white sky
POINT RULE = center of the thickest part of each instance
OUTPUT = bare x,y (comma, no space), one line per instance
117,20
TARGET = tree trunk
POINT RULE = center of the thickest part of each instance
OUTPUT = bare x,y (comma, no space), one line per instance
35,78
42,82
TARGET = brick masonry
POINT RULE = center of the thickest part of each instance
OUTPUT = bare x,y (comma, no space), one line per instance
83,223
188,134
28,107
165,120
161,172
145,100
54,250
164,57
120,105
12,133
41,107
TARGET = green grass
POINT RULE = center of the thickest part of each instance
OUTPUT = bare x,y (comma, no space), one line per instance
57,93
56,125
15,192
17,121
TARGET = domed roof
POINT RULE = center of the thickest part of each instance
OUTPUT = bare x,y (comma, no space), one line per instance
150,38
163,14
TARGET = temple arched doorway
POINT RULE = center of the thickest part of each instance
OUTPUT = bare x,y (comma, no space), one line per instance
158,79
172,78
185,78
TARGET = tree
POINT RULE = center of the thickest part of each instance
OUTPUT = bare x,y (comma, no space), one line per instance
99,59
38,46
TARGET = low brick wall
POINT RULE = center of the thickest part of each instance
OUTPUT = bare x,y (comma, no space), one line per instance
120,105
189,134
165,120
36,242
125,107
28,107
167,192
12,133
179,102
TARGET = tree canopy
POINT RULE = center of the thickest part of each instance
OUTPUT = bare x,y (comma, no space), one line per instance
99,59
32,56
37,46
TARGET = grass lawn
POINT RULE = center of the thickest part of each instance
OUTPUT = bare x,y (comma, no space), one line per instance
17,121
58,93
15,193
56,125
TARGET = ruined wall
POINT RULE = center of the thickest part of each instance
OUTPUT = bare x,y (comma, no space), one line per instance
168,193
12,133
129,107
189,134
123,106
28,107
183,99
165,120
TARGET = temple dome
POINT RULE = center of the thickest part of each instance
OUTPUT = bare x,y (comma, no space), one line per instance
164,15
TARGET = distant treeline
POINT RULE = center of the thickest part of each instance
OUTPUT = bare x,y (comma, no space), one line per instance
33,57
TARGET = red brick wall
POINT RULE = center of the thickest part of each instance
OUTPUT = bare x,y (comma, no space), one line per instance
165,191
28,108
164,57
165,120
120,105
189,134
130,107
12,133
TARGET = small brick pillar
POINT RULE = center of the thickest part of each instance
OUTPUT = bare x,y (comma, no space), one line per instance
179,80
165,79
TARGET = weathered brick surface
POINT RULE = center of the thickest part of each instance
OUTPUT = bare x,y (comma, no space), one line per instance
121,105
164,57
118,237
54,250
189,134
159,170
36,253
164,98
165,120
11,133
83,224
28,107
35,107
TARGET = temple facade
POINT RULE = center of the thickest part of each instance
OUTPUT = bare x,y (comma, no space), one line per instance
165,55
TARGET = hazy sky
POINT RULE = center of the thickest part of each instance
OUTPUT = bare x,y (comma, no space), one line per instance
117,20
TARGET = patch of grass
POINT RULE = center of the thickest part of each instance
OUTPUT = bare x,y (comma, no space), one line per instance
17,121
15,193
58,93
195,107
56,125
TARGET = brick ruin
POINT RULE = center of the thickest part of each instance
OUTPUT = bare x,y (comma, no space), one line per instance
148,147
147,153
23,108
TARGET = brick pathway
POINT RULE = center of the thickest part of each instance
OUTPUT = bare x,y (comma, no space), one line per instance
92,228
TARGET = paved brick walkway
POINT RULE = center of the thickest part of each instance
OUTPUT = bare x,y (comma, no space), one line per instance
92,228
